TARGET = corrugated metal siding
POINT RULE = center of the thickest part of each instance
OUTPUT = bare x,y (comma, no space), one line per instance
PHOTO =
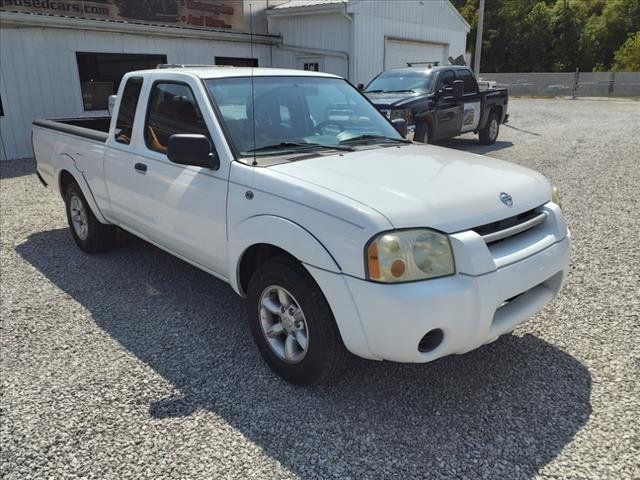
427,21
39,73
319,32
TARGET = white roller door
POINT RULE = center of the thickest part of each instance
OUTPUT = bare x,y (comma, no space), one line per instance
400,52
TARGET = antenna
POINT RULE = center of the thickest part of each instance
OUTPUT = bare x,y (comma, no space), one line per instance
253,98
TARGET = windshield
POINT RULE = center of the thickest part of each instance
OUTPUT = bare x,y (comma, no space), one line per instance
296,113
401,81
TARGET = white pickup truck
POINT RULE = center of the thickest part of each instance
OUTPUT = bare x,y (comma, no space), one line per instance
294,189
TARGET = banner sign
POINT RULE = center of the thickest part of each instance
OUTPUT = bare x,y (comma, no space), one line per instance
184,13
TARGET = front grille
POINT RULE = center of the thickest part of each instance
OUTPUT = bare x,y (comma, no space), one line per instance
509,227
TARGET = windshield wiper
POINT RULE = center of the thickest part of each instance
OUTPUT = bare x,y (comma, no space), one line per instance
380,138
374,91
298,145
400,91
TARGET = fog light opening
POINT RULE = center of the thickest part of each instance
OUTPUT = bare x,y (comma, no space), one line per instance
431,340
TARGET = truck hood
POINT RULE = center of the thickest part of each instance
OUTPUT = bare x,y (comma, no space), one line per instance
425,186
388,100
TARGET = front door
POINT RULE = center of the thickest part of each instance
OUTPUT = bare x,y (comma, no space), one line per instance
180,208
449,110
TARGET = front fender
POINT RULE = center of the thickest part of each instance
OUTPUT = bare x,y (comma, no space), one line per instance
303,245
281,233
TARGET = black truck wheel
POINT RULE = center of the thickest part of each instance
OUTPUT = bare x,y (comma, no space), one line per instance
489,134
90,235
422,133
292,324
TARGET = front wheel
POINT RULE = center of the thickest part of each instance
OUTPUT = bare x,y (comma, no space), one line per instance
422,133
489,134
292,324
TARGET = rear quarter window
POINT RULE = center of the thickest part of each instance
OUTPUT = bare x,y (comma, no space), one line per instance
127,110
470,84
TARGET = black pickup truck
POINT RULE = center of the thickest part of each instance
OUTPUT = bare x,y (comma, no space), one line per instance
439,102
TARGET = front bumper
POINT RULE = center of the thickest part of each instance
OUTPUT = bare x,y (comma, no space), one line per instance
388,321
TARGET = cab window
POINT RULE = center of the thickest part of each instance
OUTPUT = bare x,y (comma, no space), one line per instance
446,79
172,109
127,110
470,84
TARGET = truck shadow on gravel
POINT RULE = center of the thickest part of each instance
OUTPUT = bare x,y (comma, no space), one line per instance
503,411
472,145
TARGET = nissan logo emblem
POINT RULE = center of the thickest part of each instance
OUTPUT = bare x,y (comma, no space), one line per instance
506,199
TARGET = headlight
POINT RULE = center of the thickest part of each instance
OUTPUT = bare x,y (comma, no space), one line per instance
402,113
408,255
555,196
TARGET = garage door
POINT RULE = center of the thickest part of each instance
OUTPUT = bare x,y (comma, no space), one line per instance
400,52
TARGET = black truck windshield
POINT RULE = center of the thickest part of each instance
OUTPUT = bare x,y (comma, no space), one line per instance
293,114
401,80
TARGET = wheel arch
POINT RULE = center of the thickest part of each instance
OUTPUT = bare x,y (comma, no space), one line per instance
68,174
259,238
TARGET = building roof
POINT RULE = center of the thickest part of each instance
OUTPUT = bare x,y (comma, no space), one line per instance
213,71
296,7
306,3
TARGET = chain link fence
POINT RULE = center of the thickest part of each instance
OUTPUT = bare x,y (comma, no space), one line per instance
578,84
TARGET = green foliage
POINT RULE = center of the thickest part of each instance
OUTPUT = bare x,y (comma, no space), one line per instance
627,57
552,35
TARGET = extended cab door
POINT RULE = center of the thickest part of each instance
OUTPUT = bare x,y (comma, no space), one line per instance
471,99
179,208
448,109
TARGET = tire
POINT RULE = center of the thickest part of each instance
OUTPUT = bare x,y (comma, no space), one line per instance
489,134
90,235
423,133
325,354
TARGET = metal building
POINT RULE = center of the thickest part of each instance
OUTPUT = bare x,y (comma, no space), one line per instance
357,39
63,58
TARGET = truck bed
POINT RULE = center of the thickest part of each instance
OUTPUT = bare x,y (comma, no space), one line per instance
93,128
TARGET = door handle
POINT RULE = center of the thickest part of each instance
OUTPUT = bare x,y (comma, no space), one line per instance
140,167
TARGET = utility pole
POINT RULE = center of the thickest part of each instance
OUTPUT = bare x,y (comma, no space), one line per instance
478,52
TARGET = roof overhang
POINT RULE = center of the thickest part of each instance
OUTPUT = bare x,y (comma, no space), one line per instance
311,9
26,20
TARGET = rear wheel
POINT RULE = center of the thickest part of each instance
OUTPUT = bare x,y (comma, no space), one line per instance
489,134
292,324
88,233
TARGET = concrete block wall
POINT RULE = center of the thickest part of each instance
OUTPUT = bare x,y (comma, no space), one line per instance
590,84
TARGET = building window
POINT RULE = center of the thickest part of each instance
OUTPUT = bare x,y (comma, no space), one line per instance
172,109
237,62
101,73
127,110
312,66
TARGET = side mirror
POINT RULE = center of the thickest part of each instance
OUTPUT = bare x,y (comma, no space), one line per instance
361,86
112,103
455,90
192,149
458,89
400,124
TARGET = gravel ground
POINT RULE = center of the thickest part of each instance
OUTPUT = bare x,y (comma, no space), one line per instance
133,364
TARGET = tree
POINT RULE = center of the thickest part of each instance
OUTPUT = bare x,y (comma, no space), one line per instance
565,33
551,35
627,57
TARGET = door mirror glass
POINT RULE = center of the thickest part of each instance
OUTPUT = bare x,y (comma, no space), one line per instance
192,149
455,90
400,124
458,89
